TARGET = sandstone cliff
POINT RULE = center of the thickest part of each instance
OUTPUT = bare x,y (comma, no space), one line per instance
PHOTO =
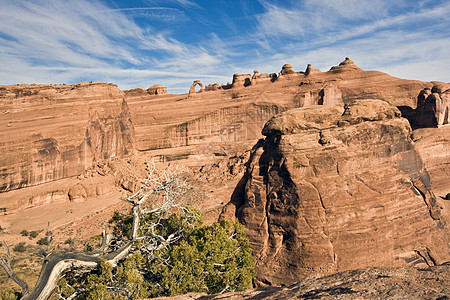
56,131
332,189
236,114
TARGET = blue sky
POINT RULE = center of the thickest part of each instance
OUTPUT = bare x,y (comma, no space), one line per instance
174,42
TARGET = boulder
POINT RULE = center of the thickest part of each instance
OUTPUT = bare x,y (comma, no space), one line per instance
287,69
78,193
333,188
157,89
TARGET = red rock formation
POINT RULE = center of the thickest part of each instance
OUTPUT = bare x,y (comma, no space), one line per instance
157,89
310,70
57,131
192,88
287,69
345,66
236,114
240,80
330,189
433,106
138,92
213,87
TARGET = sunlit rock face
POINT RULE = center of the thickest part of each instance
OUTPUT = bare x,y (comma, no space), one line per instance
237,112
433,106
333,188
50,132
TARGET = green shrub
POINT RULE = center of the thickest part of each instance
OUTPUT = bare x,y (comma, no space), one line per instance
19,247
92,243
10,294
33,234
121,224
43,241
210,259
24,232
69,241
447,197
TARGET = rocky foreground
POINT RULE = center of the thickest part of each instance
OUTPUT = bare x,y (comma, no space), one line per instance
367,283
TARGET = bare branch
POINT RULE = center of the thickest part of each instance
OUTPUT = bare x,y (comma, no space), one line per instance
5,263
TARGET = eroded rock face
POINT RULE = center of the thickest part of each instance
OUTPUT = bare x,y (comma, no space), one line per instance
157,89
287,69
332,189
56,132
236,112
241,80
310,70
433,106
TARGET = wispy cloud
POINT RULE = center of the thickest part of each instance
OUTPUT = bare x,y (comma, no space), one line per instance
387,35
50,41
64,40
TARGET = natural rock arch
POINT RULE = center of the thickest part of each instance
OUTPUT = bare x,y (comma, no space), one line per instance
192,89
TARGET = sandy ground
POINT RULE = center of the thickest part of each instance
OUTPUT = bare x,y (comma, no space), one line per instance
76,220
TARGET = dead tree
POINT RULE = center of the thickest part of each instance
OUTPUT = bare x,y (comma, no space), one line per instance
160,194
5,263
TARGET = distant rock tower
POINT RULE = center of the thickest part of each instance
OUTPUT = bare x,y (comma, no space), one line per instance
346,65
157,89
287,69
310,70
433,106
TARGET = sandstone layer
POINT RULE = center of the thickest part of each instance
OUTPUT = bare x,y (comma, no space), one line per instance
236,113
56,131
334,188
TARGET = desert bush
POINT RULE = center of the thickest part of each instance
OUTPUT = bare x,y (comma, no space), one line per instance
92,243
447,197
10,294
33,234
24,233
42,241
19,247
210,259
69,241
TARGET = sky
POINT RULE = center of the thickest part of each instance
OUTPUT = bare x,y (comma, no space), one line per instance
136,44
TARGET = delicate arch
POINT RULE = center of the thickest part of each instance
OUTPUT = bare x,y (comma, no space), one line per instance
192,89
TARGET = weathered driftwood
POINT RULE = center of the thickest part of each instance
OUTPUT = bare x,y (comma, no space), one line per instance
59,262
